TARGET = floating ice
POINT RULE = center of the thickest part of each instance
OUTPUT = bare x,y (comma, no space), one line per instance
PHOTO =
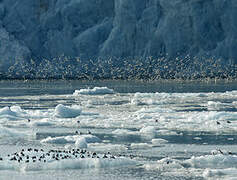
38,159
67,112
215,106
215,166
59,140
94,91
164,165
81,142
167,132
228,174
197,138
105,147
7,132
17,109
6,111
71,139
43,122
213,161
123,132
158,141
140,146
89,163
148,130
13,113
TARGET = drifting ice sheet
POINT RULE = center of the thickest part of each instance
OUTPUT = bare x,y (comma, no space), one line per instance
94,91
67,112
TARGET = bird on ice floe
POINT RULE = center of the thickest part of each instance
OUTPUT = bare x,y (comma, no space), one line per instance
32,155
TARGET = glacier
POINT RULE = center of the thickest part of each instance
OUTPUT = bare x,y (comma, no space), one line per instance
43,29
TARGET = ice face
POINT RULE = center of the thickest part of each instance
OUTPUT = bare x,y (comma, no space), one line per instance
124,28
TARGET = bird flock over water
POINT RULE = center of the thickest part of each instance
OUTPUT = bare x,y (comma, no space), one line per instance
149,68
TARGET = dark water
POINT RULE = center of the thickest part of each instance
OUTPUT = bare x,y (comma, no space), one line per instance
35,87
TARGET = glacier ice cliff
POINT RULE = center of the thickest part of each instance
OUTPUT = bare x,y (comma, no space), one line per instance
89,29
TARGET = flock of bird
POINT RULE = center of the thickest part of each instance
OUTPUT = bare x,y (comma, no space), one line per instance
32,155
132,68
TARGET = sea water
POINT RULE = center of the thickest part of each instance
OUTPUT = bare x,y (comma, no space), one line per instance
138,130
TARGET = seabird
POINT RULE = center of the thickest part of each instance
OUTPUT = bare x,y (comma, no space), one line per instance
78,132
112,157
13,159
220,151
33,157
36,150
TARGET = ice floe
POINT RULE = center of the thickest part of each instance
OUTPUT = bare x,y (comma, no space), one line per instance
94,91
123,132
148,130
158,141
140,145
34,159
208,166
67,112
8,132
213,161
7,111
87,138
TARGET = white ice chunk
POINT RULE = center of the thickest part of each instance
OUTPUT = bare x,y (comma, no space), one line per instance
58,140
7,111
71,139
167,132
91,138
123,132
85,163
107,147
81,143
62,111
140,146
228,174
94,91
164,165
148,130
213,161
158,141
43,122
7,132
